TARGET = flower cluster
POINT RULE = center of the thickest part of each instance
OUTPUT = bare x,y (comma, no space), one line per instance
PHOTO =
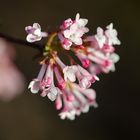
72,61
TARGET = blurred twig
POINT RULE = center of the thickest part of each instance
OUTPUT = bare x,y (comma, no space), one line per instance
22,42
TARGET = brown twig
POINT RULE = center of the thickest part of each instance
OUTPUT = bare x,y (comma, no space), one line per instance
22,42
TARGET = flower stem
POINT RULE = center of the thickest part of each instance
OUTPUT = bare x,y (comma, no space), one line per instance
50,40
22,42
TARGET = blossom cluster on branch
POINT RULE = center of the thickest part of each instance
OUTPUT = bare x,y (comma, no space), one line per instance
72,63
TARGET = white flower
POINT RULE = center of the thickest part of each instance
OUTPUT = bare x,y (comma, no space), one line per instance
81,22
67,114
114,57
76,30
100,37
69,73
34,33
34,86
90,94
52,93
74,34
112,35
85,83
111,60
85,108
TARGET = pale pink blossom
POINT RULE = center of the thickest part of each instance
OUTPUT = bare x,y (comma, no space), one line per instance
67,115
110,63
34,33
51,92
111,35
69,73
34,85
45,82
104,40
73,31
85,78
100,37
81,22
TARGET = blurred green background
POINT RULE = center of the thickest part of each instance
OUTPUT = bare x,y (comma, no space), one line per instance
30,117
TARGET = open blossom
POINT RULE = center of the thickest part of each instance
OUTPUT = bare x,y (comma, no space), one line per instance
70,73
72,63
111,34
11,80
35,84
100,37
105,39
34,33
73,31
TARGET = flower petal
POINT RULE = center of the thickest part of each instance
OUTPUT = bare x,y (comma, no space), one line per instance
34,86
36,26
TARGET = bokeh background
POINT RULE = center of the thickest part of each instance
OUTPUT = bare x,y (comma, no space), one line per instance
30,117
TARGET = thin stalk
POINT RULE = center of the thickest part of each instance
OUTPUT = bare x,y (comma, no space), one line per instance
22,42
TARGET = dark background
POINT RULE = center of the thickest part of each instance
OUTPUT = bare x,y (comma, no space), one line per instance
30,117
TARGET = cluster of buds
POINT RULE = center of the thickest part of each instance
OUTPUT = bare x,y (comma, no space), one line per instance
72,61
